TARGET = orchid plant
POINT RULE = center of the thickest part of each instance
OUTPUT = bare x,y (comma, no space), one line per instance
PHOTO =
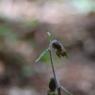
54,86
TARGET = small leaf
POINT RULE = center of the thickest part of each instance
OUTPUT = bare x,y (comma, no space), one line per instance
50,36
41,55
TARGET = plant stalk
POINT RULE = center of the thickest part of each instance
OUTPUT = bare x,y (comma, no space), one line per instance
54,74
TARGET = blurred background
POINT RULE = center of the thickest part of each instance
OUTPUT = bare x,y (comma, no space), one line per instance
23,37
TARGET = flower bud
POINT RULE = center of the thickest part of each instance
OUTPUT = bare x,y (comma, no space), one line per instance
59,49
52,84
